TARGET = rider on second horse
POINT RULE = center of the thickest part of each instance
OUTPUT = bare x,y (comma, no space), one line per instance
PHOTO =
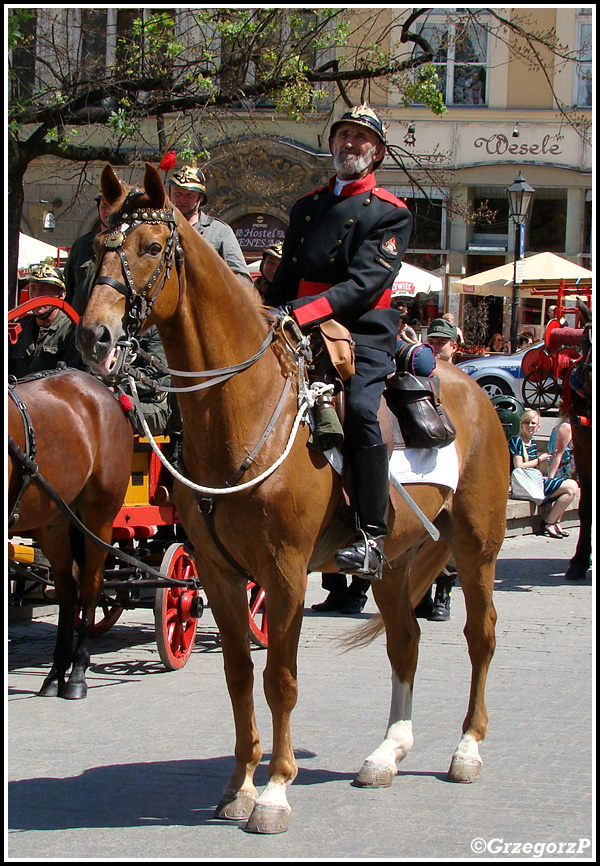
341,254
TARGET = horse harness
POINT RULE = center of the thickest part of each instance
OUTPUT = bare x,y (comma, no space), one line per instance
29,468
123,223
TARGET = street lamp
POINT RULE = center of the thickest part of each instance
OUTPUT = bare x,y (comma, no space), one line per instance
520,196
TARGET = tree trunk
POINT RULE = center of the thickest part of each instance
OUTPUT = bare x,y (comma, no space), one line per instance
16,196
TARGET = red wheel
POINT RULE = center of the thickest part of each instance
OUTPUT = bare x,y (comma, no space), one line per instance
257,615
540,392
176,610
111,611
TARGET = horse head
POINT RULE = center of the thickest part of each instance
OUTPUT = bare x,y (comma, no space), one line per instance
135,282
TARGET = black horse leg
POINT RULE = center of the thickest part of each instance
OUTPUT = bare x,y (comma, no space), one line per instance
54,683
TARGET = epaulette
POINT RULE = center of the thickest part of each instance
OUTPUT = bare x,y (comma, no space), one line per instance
386,195
312,192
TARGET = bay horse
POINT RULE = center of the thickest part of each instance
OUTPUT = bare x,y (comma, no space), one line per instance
579,401
276,529
83,449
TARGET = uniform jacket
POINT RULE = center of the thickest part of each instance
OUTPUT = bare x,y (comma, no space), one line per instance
341,255
223,239
39,349
78,272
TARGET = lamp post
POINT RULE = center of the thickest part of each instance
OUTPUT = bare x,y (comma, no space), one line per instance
520,196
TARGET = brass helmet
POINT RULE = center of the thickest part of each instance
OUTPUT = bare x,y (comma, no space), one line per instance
45,273
276,250
190,178
363,115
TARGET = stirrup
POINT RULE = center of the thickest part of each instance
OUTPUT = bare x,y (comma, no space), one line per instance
366,549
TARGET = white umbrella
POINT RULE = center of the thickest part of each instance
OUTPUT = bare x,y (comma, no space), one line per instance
538,272
32,252
411,281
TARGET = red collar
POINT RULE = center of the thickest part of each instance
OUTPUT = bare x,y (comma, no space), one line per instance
363,184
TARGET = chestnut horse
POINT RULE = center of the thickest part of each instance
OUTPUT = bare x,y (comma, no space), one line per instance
83,449
208,319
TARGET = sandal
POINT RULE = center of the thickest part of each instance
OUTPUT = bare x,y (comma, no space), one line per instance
550,530
561,530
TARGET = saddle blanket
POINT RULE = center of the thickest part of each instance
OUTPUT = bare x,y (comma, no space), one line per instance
416,465
425,466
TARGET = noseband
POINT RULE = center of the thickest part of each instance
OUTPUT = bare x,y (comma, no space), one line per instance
123,223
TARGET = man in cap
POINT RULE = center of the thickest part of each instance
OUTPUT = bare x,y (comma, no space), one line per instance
187,191
341,253
47,335
442,336
269,264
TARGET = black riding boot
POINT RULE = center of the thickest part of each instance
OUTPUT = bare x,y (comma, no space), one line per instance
441,602
371,492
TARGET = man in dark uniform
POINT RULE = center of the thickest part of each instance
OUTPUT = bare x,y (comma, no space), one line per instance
341,253
80,265
187,191
47,335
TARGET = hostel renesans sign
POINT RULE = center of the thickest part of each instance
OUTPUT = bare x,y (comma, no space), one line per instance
255,232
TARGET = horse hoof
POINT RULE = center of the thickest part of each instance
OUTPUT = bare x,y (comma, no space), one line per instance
373,775
464,769
73,691
268,819
236,805
49,690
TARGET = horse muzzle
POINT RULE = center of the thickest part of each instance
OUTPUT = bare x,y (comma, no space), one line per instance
96,345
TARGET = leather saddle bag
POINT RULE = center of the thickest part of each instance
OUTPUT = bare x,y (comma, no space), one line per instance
415,401
340,346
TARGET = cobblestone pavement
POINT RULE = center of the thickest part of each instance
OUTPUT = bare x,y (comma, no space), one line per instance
135,770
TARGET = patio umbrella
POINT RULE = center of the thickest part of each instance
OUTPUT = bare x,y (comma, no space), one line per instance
411,281
542,272
32,252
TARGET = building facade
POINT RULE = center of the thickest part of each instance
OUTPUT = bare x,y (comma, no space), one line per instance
503,117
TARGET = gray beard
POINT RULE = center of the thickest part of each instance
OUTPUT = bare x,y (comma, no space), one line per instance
350,166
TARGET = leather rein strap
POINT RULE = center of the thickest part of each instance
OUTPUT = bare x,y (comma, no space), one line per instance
28,465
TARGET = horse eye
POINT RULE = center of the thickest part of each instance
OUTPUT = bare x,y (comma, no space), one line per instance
154,249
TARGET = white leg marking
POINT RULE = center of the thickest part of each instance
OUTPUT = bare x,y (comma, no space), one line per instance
468,749
399,737
274,795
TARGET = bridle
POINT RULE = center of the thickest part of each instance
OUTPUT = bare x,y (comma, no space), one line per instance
121,224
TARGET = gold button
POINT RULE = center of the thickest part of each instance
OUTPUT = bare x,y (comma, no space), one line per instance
307,218
339,243
331,261
349,223
295,260
316,197
367,201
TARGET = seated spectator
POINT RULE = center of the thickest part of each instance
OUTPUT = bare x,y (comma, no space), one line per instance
559,490
497,344
47,335
524,339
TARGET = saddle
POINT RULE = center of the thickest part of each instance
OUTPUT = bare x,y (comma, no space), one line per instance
418,419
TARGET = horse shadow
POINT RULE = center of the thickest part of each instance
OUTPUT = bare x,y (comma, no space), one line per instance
540,572
159,793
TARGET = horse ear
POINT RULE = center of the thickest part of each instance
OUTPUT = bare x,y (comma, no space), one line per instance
110,185
153,186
